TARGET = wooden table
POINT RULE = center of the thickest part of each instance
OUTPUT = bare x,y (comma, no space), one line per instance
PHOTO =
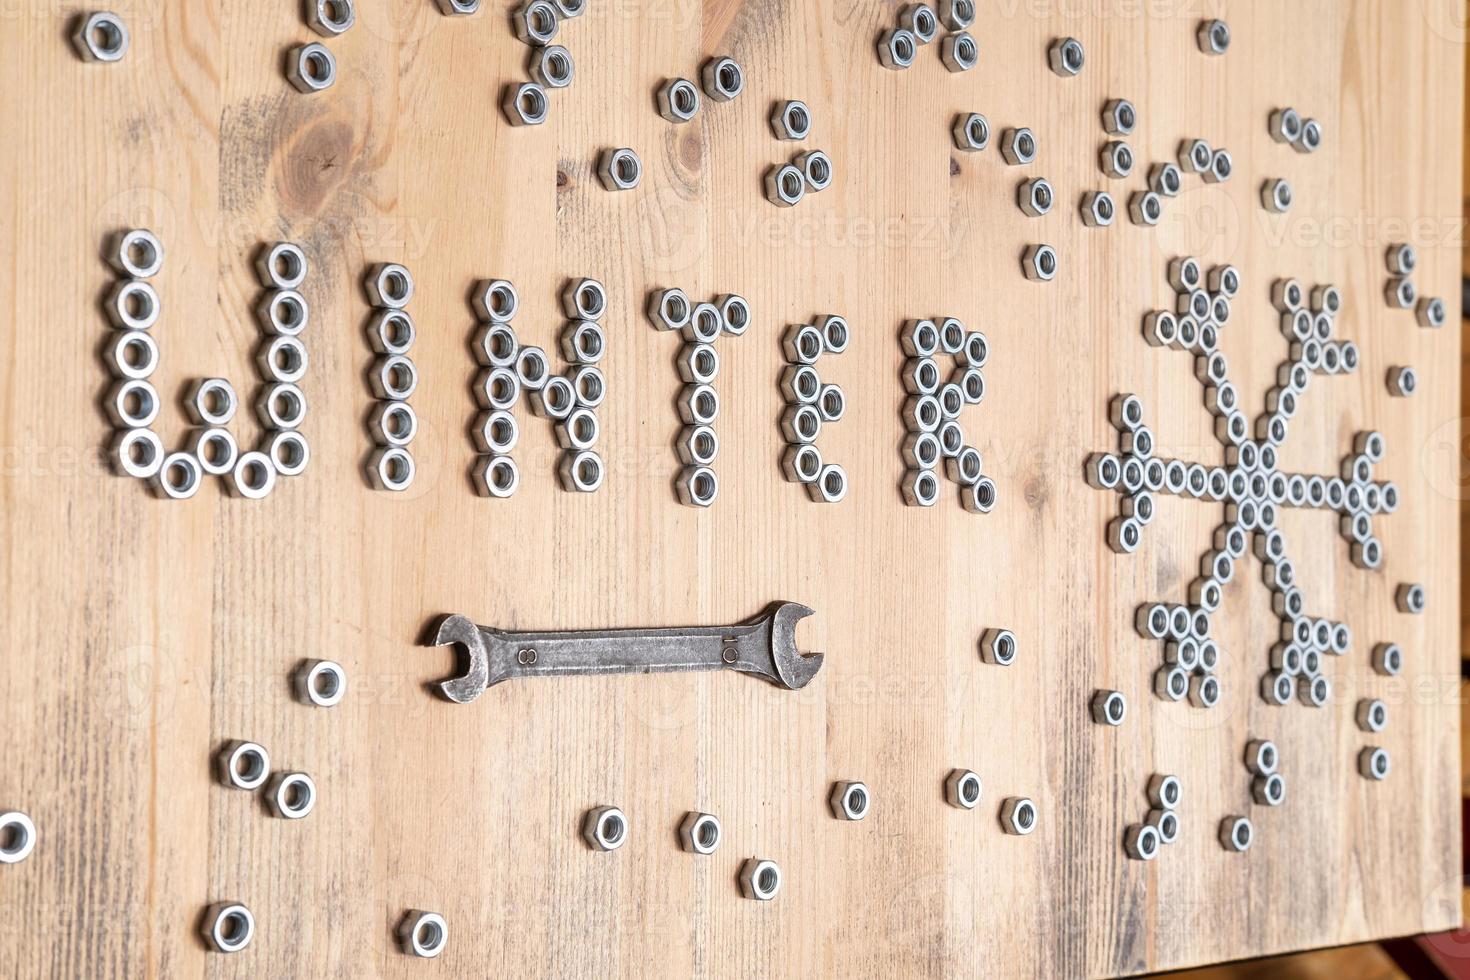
140,634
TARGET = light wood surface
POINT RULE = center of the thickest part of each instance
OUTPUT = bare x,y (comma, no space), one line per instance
140,634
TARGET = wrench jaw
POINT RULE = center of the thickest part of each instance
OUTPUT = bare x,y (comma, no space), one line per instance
793,668
475,661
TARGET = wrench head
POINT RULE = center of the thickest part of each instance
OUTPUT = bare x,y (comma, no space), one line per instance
475,664
794,668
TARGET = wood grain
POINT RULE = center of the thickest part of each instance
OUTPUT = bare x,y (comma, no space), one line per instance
140,634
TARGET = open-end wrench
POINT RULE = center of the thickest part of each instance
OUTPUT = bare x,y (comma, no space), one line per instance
765,646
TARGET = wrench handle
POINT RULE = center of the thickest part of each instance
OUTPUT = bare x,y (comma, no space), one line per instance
624,651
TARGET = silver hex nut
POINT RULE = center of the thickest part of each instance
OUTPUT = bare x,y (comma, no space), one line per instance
227,927
723,79
1066,56
536,22
1213,37
1035,197
1145,208
1276,195
1018,815
330,18
1119,117
389,286
957,15
524,104
1098,209
920,20
1195,155
785,185
1108,708
959,51
1039,263
101,37
791,120
422,934
962,789
971,132
605,828
552,66
678,100
998,646
1018,146
1285,125
619,169
760,879
669,309
897,48
699,833
311,67
849,800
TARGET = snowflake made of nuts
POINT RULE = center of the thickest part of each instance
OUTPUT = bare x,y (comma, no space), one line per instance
1249,485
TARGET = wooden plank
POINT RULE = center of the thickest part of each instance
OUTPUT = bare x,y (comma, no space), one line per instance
139,635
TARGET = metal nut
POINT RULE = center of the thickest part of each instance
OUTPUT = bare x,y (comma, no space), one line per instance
697,486
962,788
668,309
957,15
137,453
849,800
619,169
1145,208
1213,37
330,18
1035,197
291,795
760,879
136,253
133,304
920,488
1066,56
132,355
1018,146
1374,763
524,104
1310,140
1119,117
458,8
1098,209
920,20
971,132
1285,125
785,185
1018,815
699,833
101,37
391,468
322,683
1276,195
243,765
536,22
1195,155
723,79
213,449
1431,312
1039,262
1400,292
959,51
311,67
1165,179
584,299
1116,159
495,476
1236,833
227,927
816,168
1222,165
1164,791
791,120
552,66
1409,598
678,100
389,286
422,934
605,828
896,49
1401,259
1141,841
581,471
1109,708
998,646
1402,381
